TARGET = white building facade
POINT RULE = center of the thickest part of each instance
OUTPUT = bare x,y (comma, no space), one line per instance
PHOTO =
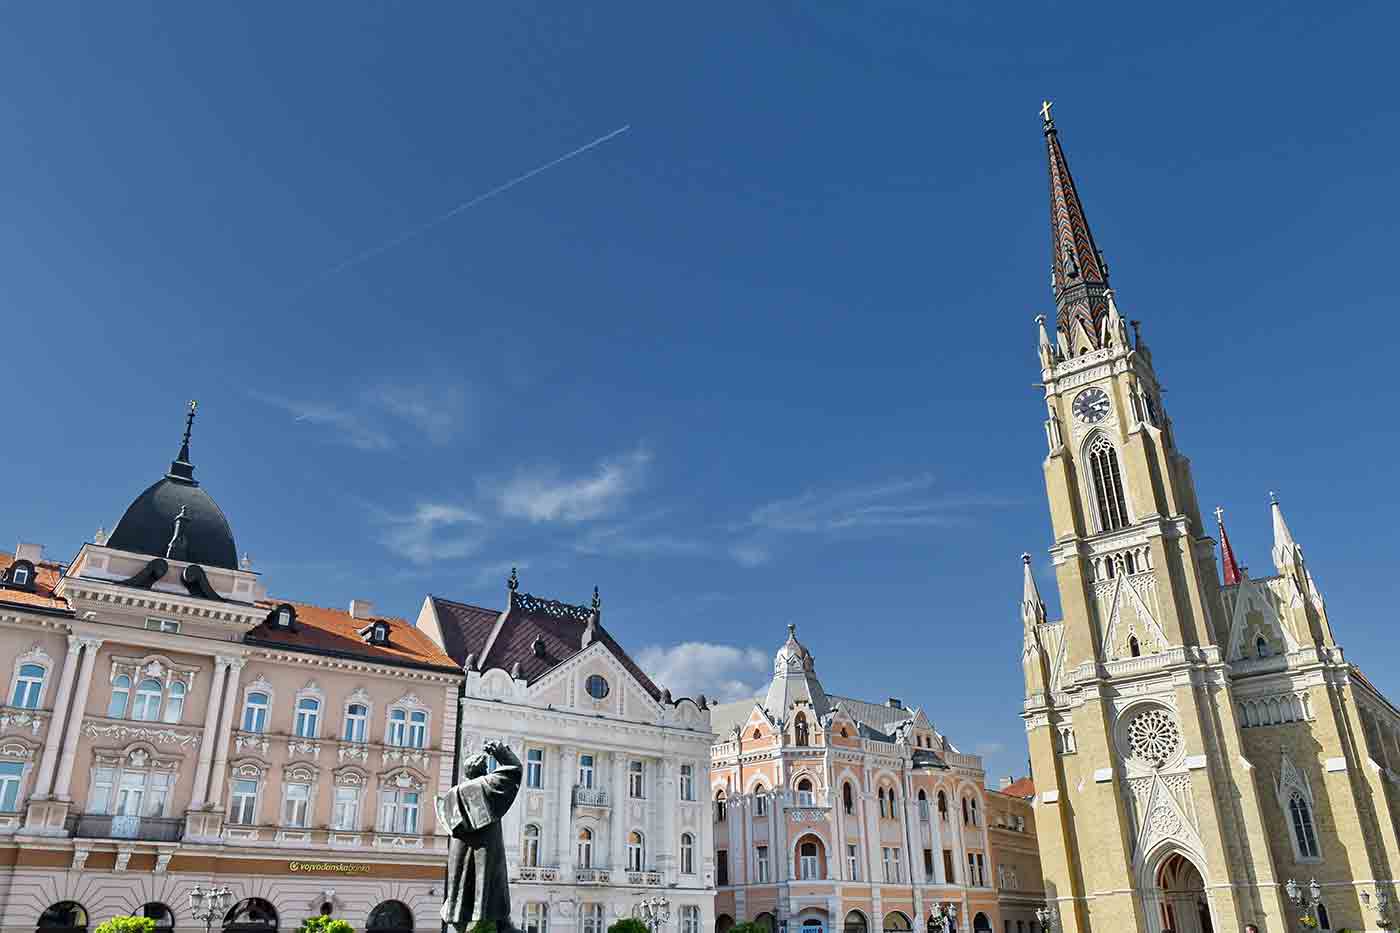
613,806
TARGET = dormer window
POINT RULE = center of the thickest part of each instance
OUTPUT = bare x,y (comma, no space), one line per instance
20,576
380,633
284,618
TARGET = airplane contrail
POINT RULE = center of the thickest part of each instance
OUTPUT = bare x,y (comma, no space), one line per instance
410,233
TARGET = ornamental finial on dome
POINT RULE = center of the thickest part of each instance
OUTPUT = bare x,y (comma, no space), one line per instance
181,467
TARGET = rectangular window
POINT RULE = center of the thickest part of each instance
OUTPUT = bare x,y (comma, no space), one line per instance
761,861
721,867
356,720
981,870
807,862
888,862
103,779
347,808
948,876
690,919
536,918
308,721
687,782
853,862
398,811
158,787
593,918
10,774
636,780
255,713
928,864
534,767
585,771
294,807
398,725
417,729
760,803
131,792
971,869
243,804
163,625
898,866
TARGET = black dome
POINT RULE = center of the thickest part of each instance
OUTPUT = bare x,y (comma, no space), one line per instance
174,518
149,525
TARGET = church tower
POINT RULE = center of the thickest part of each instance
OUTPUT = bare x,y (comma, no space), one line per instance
1143,816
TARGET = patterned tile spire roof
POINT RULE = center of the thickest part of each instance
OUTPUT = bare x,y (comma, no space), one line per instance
1230,567
1079,274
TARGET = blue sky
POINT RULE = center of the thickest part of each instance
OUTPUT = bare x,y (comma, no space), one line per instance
765,357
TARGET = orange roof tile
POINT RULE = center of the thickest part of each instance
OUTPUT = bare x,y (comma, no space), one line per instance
1023,788
46,577
336,631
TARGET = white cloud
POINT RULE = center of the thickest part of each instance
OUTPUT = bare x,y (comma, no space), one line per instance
540,494
350,427
432,531
721,672
750,553
437,412
497,572
639,537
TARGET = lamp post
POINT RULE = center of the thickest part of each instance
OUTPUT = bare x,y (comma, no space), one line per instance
655,912
942,918
208,904
1382,907
1048,919
1304,901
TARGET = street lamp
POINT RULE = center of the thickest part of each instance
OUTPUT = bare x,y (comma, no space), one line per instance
1382,907
942,918
655,912
1048,919
208,904
1303,901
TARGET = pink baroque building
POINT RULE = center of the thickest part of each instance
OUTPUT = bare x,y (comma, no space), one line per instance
837,814
169,724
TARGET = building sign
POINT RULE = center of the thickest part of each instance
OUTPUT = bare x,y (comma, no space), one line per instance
340,868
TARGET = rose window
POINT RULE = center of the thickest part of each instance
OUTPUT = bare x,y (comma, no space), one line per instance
1153,735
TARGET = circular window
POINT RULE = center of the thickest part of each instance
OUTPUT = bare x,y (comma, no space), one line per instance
1153,736
597,686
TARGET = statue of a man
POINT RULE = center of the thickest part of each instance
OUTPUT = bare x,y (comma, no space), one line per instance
477,878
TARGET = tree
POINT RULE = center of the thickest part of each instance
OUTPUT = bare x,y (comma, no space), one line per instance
127,925
324,924
629,925
748,926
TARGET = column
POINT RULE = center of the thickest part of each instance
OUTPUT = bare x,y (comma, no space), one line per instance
617,773
913,834
75,720
777,836
217,777
750,853
870,821
667,794
703,793
568,767
206,740
60,712
511,822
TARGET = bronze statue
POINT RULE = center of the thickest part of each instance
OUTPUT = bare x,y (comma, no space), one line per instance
477,876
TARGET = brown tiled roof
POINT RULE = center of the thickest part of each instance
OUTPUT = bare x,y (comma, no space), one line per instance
562,638
336,631
1023,788
46,577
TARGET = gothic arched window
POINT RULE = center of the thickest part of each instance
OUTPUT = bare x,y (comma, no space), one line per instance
847,801
1300,814
1108,483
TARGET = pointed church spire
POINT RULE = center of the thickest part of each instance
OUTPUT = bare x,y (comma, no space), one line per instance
1286,550
1229,566
181,467
1079,275
1032,606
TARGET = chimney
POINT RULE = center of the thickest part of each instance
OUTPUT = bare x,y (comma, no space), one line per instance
361,609
30,552
1005,782
894,703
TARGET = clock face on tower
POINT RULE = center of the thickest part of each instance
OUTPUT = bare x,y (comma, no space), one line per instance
1091,406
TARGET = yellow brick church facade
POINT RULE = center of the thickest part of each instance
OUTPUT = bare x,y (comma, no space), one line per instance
1194,745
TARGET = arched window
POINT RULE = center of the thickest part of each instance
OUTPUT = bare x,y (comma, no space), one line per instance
356,722
943,806
980,924
28,685
636,851
687,854
966,820
1261,647
757,734
160,913
973,801
855,923
799,729
896,922
147,705
807,862
760,801
65,915
1108,483
805,798
390,917
719,806
251,915
1134,648
175,703
881,794
1300,813
849,803
585,848
923,807
766,921
255,713
1324,922
121,693
308,722
531,854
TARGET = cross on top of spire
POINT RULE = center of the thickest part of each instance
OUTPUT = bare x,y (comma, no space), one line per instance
1045,118
181,467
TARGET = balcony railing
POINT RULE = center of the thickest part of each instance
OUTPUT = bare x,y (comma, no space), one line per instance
536,873
148,828
648,878
592,876
591,797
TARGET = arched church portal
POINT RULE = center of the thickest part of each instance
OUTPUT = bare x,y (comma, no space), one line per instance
1180,898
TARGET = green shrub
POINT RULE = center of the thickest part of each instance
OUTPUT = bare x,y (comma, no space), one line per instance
325,925
127,925
748,926
629,925
484,926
